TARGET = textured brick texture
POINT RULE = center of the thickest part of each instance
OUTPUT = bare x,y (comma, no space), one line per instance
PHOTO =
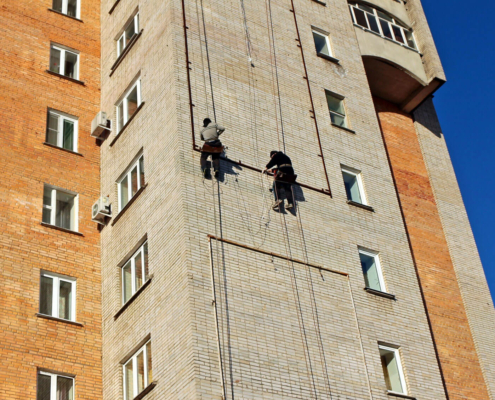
444,302
28,342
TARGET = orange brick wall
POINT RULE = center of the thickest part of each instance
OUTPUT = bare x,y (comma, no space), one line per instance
456,349
28,342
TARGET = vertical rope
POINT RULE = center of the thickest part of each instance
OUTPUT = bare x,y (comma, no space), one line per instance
208,61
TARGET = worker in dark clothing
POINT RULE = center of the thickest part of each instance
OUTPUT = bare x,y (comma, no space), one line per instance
212,147
284,177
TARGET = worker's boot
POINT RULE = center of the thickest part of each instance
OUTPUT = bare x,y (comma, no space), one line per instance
289,206
276,205
216,173
206,173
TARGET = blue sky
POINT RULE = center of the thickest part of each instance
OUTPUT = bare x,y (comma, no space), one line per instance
464,36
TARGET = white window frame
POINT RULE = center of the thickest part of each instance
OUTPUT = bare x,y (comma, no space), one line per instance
135,21
124,101
326,36
56,294
342,99
53,384
65,7
133,359
376,257
64,50
129,186
61,117
396,23
53,206
396,351
359,179
131,260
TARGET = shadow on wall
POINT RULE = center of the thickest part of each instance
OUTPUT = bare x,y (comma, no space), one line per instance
426,116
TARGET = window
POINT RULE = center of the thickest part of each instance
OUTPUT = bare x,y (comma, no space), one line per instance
322,43
58,296
130,30
138,372
68,7
135,273
54,387
336,108
370,263
128,105
62,130
132,181
392,369
382,24
64,62
60,208
353,185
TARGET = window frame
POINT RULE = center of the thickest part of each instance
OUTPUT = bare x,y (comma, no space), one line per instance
359,179
146,276
376,257
127,174
342,99
135,21
123,100
53,384
64,50
390,24
53,207
56,294
133,359
65,7
63,116
398,359
326,36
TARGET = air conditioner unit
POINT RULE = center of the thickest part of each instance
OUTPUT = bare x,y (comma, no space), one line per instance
100,125
101,210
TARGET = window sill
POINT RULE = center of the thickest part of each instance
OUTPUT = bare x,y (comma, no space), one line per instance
380,293
148,389
329,58
124,53
113,7
61,148
65,15
66,77
364,206
131,201
58,228
343,128
39,315
401,395
133,297
126,124
320,2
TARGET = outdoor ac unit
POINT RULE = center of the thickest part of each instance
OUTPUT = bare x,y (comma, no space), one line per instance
100,125
101,210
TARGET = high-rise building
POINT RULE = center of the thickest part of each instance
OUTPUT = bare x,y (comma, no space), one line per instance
371,287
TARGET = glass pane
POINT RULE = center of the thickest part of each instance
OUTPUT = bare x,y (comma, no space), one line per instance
145,251
321,44
129,32
65,300
72,8
127,281
373,23
128,379
68,135
360,17
391,370
64,205
351,187
337,119
141,171
124,192
65,388
410,39
370,271
46,295
150,366
51,136
132,102
384,16
140,371
57,5
366,8
138,263
120,45
44,384
120,112
55,60
335,104
134,181
386,29
398,33
70,65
